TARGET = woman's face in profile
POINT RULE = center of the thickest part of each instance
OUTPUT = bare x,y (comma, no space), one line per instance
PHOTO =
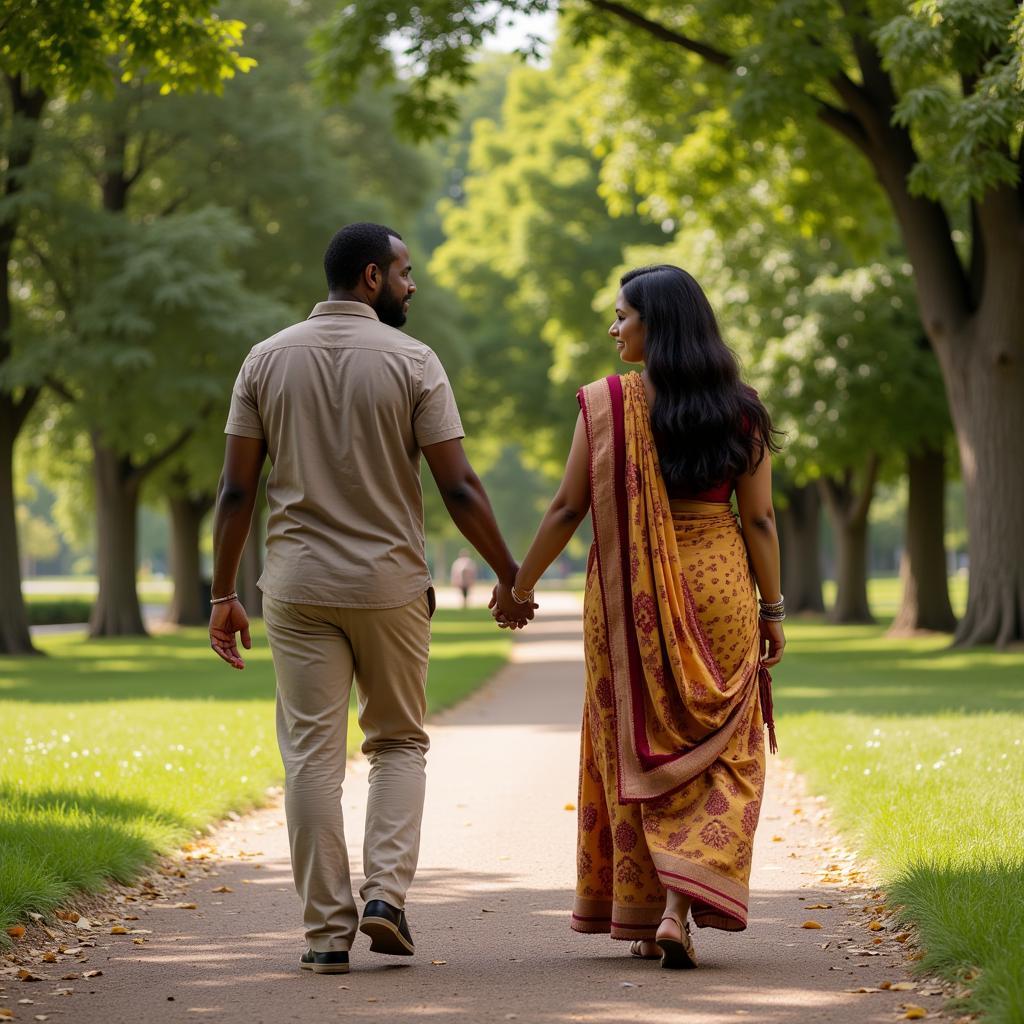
628,331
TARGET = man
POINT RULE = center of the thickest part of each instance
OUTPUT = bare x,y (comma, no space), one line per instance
463,575
344,403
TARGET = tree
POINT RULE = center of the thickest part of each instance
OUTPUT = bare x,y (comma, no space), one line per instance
48,49
929,95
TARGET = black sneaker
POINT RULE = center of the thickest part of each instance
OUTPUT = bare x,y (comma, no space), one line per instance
387,928
334,962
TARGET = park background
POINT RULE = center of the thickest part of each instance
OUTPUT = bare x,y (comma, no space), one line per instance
843,179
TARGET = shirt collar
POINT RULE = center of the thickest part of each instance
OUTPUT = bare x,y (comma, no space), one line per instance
343,308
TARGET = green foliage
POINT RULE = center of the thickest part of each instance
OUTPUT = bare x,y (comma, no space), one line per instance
76,45
58,611
528,243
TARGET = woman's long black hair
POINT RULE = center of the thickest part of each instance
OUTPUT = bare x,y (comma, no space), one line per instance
710,428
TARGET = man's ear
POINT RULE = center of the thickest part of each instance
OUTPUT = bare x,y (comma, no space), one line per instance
372,276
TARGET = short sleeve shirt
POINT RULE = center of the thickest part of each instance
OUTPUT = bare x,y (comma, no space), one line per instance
344,403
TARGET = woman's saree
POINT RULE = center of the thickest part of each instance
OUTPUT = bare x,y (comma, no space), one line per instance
672,758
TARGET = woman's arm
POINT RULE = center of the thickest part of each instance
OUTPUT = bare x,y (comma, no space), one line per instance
757,517
568,509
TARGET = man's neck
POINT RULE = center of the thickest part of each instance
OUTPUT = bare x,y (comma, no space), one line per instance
346,296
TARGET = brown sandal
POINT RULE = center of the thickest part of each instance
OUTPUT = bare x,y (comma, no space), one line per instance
678,954
635,950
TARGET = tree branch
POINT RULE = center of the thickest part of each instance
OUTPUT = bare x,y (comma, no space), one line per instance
58,388
663,32
141,471
51,272
24,405
867,493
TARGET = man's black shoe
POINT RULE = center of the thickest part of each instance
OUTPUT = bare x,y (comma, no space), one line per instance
387,928
334,962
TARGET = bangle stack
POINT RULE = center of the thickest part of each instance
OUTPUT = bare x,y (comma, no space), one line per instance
521,598
772,611
233,596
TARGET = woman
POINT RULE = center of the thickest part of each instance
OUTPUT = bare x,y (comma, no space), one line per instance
676,645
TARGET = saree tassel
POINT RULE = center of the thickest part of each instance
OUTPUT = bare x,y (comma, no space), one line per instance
764,678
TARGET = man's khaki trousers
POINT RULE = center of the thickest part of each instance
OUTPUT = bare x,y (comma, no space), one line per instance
316,651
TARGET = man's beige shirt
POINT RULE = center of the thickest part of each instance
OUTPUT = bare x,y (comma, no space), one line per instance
345,403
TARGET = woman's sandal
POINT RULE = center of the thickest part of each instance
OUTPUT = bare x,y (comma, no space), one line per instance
636,949
677,954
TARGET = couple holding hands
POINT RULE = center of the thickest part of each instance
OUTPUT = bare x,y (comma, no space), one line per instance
682,609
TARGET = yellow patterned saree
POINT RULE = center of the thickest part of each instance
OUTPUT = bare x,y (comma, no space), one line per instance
672,753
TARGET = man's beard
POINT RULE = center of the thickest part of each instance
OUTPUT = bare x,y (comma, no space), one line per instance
389,309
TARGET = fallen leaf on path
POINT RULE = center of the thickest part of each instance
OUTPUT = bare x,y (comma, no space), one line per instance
810,924
91,974
69,977
119,929
628,984
6,1013
41,1016
49,958
861,991
17,931
820,906
67,915
487,910
26,1002
223,888
913,1012
902,986
439,963
83,924
26,975
175,906
138,942
876,926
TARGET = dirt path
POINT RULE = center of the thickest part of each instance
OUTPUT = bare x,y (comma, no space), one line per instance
489,910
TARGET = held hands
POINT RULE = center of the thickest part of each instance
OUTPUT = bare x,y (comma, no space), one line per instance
507,611
226,620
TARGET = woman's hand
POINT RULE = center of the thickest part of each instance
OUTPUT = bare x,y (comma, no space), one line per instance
773,642
507,611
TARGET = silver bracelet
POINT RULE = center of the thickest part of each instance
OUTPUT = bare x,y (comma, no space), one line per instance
519,598
233,596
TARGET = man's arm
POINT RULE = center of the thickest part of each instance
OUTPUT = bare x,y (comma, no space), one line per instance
236,498
466,500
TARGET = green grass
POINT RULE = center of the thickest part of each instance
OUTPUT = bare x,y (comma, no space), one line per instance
920,750
115,750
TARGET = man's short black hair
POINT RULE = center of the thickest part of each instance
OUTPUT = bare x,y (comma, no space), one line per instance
353,249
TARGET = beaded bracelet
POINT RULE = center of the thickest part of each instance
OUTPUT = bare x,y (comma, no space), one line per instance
233,596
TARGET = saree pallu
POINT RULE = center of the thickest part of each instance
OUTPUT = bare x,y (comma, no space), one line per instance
672,760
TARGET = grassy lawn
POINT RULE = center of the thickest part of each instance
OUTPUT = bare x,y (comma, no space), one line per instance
920,750
114,750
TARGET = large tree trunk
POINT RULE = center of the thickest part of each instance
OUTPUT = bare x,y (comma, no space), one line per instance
925,603
117,611
26,106
848,513
800,540
14,633
986,399
187,608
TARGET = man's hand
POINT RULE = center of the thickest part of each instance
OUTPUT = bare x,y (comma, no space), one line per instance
226,620
507,611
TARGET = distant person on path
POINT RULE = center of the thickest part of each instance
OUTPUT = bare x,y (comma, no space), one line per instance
677,645
463,575
344,403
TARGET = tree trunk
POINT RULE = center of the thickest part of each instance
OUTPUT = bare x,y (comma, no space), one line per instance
848,513
188,607
117,611
986,397
925,603
251,566
800,537
14,632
